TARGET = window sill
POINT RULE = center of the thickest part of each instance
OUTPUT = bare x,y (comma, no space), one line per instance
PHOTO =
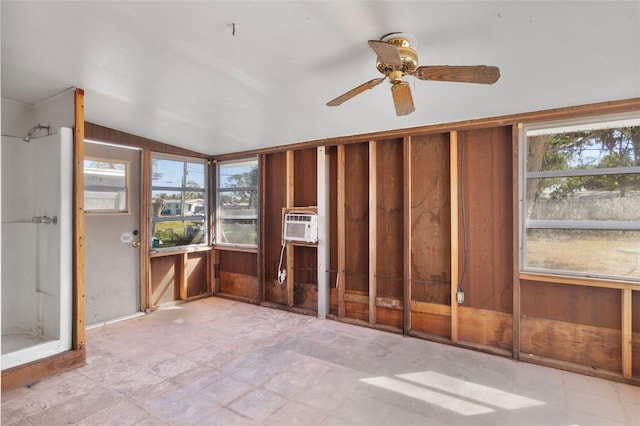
180,250
236,248
588,282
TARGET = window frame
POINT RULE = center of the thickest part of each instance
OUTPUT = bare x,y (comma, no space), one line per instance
127,183
220,216
182,189
570,125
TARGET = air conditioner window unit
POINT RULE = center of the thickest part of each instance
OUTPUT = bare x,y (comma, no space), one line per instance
301,227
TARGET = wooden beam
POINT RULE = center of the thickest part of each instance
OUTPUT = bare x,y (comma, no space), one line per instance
585,282
430,308
340,279
145,231
32,372
516,132
373,226
262,244
453,165
182,278
627,334
78,338
290,202
407,223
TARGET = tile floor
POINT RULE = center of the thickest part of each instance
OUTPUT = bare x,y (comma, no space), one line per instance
217,362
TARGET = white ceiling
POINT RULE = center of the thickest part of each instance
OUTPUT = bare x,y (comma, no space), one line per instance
176,72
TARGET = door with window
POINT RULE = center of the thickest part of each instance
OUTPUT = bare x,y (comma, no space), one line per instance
112,232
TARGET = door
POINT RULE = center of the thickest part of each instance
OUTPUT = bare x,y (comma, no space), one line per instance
112,232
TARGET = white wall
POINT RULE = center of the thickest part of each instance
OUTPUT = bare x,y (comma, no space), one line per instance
36,176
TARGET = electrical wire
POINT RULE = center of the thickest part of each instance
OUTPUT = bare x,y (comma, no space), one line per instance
462,207
282,275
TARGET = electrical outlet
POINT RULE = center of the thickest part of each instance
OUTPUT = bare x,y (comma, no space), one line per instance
460,297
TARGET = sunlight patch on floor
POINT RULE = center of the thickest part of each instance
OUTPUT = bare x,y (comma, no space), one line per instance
451,393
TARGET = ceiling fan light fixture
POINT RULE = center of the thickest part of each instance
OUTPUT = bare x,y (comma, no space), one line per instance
397,57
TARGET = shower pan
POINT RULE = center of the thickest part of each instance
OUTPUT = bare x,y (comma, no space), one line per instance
36,246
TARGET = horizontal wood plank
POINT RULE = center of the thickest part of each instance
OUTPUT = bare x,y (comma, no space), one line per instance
430,308
239,285
485,327
582,344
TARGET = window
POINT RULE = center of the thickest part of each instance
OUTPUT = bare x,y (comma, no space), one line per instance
178,206
237,200
106,186
581,198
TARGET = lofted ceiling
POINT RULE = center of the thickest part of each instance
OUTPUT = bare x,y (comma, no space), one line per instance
220,77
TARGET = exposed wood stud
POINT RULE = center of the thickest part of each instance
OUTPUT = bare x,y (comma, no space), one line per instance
627,334
373,225
340,281
182,280
78,229
145,231
407,221
453,164
262,244
290,193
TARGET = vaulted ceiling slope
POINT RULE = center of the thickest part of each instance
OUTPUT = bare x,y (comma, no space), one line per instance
219,77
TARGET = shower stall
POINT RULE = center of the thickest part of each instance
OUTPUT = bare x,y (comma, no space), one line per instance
36,246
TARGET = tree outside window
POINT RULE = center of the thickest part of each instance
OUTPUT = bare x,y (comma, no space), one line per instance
237,203
582,199
178,202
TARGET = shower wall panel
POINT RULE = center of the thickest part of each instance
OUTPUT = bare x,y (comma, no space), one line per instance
36,257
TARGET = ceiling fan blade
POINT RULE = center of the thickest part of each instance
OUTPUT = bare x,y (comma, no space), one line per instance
356,91
481,74
387,53
402,98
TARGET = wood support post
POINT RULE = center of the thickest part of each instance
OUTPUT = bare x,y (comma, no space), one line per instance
290,248
407,221
182,281
145,231
627,334
78,332
262,244
373,239
453,164
340,279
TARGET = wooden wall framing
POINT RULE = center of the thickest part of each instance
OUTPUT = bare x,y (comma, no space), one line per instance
418,215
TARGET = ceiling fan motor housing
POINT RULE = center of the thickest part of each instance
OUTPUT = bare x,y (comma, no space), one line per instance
409,60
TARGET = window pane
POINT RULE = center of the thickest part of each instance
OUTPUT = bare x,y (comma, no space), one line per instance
570,198
238,231
105,186
596,252
238,175
195,175
238,203
178,233
166,203
167,173
589,149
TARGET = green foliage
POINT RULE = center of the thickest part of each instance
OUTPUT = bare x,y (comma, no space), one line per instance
597,149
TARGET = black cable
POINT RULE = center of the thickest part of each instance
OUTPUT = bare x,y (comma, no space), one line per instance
462,207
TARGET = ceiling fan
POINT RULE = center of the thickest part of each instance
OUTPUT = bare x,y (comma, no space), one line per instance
396,58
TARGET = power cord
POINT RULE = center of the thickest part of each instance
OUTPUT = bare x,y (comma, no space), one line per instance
281,273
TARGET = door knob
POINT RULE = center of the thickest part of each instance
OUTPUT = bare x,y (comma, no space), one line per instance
135,244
